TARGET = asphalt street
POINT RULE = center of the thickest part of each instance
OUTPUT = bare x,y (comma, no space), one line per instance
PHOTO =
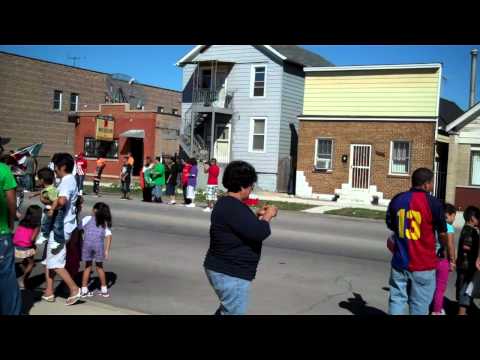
311,264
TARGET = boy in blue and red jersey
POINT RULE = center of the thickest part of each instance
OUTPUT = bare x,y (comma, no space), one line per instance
414,217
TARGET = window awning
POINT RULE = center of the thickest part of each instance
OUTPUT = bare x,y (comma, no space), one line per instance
139,134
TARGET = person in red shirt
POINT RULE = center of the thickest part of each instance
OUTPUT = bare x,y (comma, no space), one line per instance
81,165
211,168
185,174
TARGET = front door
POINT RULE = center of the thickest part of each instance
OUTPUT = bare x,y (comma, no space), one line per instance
360,161
222,143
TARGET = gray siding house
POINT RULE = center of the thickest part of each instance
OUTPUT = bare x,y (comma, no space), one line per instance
247,99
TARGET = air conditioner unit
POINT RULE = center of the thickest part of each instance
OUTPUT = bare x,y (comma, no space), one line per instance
323,164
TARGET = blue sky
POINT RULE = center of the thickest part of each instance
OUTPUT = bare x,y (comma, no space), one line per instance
154,64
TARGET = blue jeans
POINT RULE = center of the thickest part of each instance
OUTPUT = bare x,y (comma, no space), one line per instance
55,224
10,298
232,292
415,288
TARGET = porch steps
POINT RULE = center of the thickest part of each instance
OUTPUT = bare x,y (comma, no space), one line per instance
348,196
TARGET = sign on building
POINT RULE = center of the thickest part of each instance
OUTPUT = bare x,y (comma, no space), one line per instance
104,128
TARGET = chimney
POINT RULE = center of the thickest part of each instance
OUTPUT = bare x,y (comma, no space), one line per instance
473,79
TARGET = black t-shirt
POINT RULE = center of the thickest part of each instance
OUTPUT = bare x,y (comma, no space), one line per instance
236,237
467,252
172,174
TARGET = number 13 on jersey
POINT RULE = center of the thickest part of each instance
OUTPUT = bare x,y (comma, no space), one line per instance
413,232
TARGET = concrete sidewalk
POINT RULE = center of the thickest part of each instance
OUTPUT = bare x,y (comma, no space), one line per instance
84,307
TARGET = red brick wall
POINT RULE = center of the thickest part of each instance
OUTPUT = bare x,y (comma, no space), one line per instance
123,121
466,196
379,135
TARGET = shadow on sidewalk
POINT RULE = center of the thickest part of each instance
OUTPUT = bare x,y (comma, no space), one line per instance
358,306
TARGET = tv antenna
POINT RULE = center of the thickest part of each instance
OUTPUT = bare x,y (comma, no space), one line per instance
74,59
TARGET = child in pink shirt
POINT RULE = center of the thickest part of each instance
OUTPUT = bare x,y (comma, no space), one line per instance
24,240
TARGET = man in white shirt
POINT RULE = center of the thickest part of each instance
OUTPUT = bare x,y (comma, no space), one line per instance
56,255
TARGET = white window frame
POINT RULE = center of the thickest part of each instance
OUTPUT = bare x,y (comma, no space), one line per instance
77,100
316,153
472,150
252,81
250,137
61,99
174,111
390,172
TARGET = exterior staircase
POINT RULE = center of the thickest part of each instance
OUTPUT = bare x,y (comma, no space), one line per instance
351,197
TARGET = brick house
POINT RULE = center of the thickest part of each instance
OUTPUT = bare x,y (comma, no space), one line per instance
365,129
37,97
144,133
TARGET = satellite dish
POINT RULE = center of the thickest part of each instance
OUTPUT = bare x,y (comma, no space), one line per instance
121,88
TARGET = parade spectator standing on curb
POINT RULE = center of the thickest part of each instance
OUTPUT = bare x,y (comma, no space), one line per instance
146,182
10,298
468,247
414,217
131,162
213,172
186,166
158,175
81,165
98,177
24,241
96,246
172,175
192,183
236,238
125,178
56,256
446,261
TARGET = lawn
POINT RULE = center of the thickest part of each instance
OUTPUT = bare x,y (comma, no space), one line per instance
359,213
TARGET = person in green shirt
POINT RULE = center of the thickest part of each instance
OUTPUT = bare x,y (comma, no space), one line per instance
158,176
10,298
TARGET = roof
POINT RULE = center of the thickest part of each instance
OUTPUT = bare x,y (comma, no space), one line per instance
374,67
448,112
83,69
463,120
291,53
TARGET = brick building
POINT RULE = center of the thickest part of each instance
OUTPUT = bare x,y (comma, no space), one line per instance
365,129
37,96
144,133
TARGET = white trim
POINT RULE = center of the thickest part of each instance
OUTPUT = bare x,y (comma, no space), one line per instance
275,52
250,136
367,119
474,148
195,49
252,81
330,169
371,67
61,100
390,161
199,47
438,100
466,116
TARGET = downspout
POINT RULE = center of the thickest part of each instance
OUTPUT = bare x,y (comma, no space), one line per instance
473,79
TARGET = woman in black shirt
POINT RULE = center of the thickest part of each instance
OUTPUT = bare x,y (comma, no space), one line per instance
236,236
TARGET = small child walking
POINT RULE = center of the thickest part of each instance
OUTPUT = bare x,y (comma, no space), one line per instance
192,183
446,261
97,239
23,240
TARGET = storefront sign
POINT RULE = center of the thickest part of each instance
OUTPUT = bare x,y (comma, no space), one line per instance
104,128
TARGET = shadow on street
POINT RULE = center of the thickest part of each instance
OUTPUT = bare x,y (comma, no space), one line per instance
358,306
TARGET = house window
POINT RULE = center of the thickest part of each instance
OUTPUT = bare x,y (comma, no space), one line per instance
160,109
175,111
400,158
258,134
94,148
475,167
323,154
258,81
73,102
57,100
206,78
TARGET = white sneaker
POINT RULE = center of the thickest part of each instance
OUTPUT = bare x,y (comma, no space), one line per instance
207,209
41,240
190,205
